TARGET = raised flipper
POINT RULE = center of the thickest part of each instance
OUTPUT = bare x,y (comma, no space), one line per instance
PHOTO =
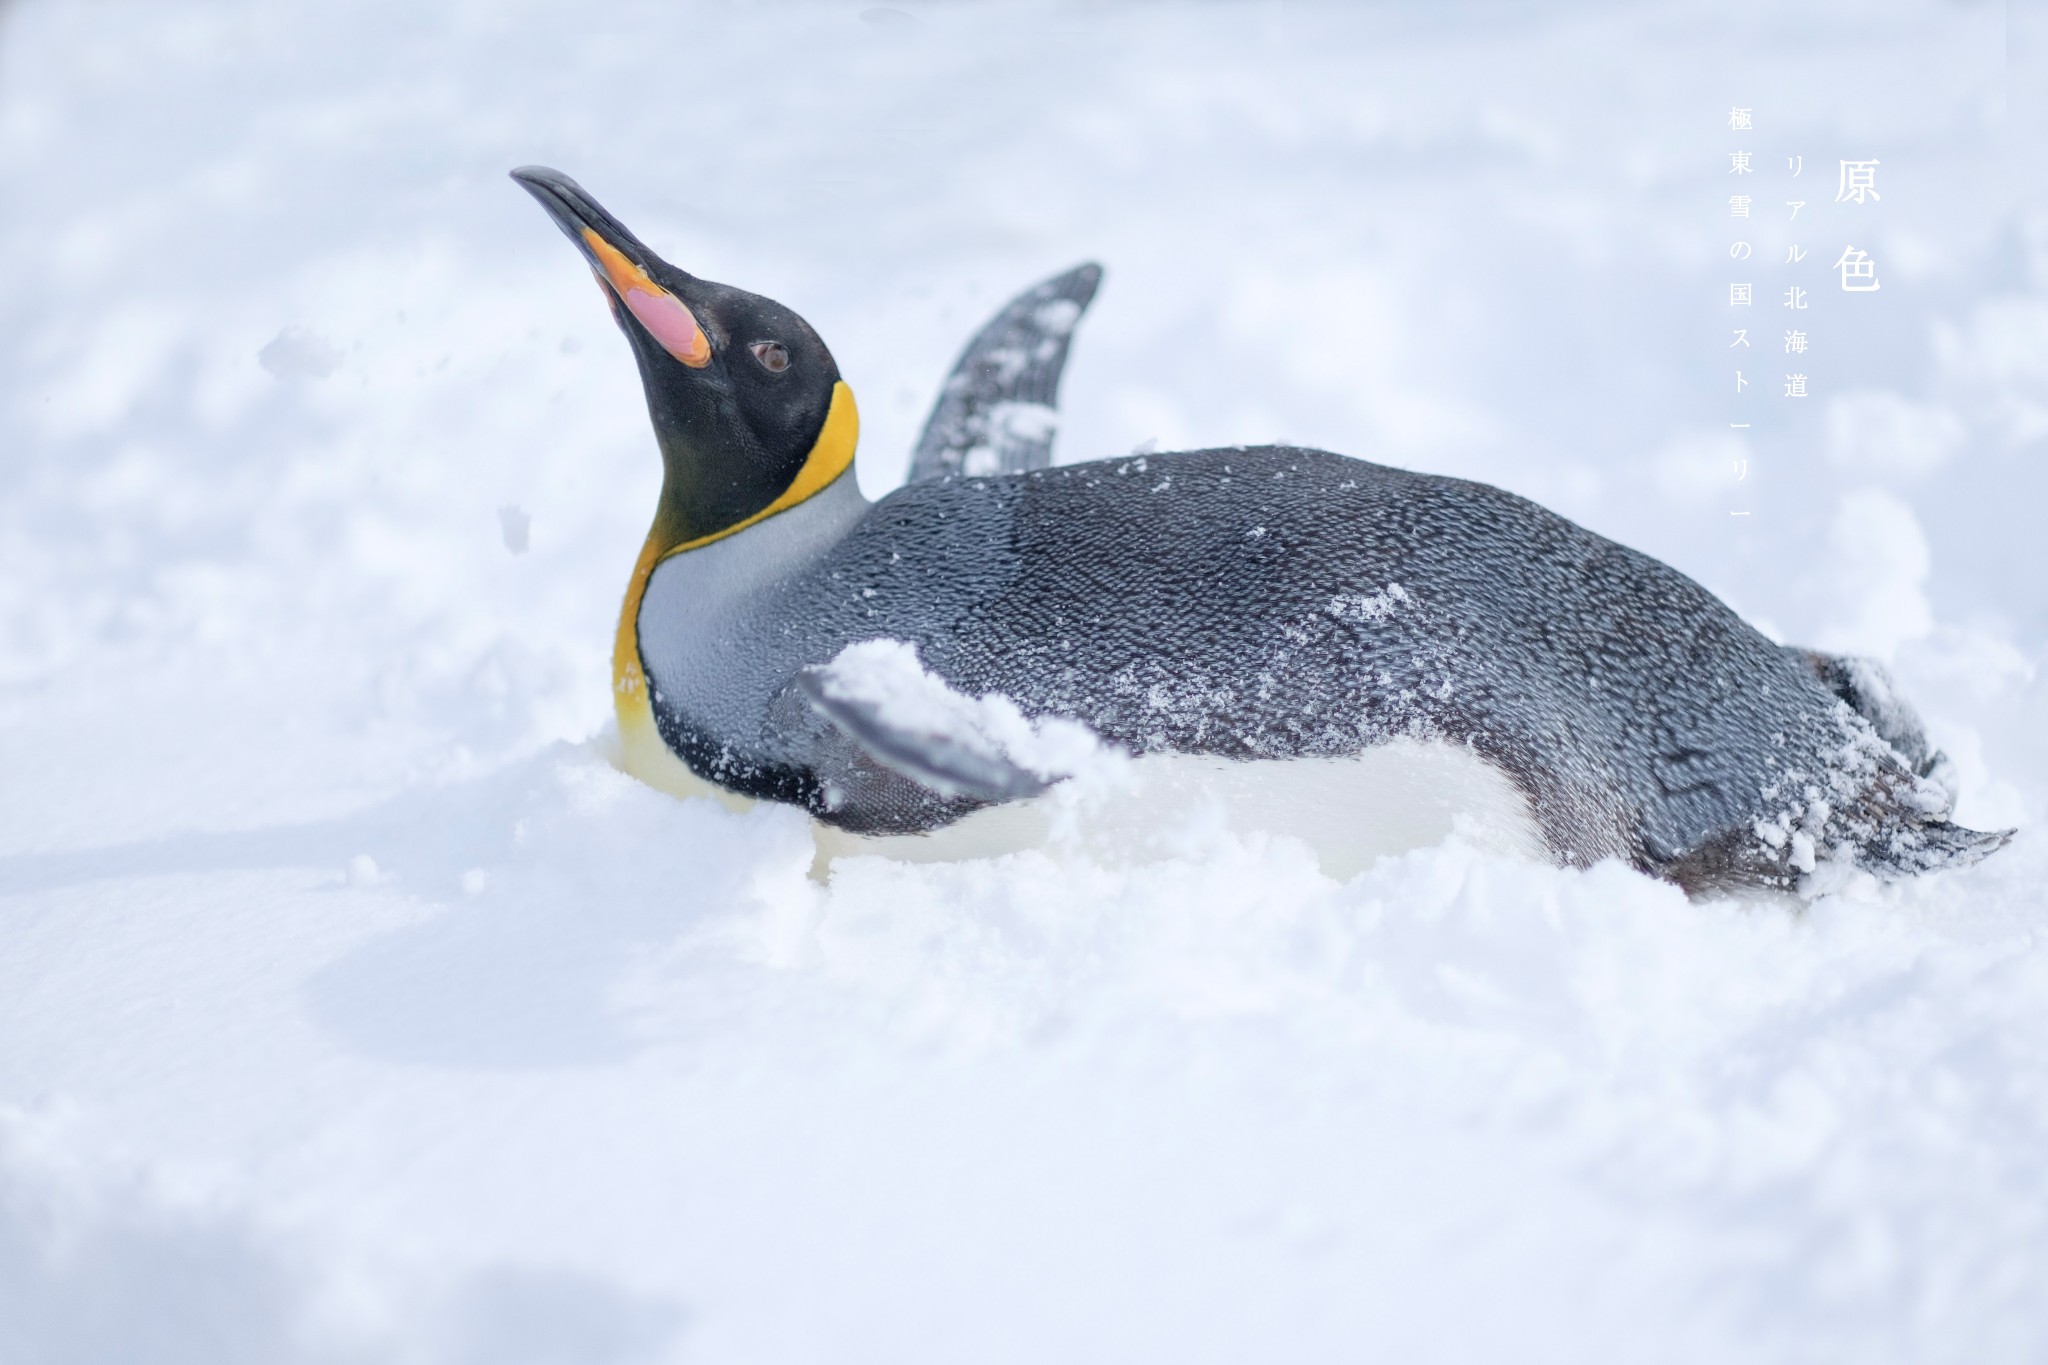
1000,406
879,696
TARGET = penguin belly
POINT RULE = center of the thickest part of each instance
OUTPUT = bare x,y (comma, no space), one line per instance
1390,799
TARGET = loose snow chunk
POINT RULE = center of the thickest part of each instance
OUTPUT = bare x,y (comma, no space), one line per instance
1006,432
516,525
1058,317
1004,364
299,353
887,681
1360,608
1023,421
1802,851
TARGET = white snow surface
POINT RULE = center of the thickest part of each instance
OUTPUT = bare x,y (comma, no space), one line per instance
354,1008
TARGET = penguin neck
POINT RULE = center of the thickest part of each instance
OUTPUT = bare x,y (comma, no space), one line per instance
822,502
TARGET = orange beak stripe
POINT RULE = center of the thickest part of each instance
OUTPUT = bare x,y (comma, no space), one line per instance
664,315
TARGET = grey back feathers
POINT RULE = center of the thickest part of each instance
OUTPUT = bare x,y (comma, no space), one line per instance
1279,603
999,409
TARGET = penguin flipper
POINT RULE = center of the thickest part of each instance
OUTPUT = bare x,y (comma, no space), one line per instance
999,408
910,722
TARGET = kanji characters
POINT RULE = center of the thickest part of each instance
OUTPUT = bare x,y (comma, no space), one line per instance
1858,182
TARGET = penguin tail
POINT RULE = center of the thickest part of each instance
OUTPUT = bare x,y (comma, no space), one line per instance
1895,828
1867,688
1905,830
1934,846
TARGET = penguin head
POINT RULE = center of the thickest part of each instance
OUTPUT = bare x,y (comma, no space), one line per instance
748,406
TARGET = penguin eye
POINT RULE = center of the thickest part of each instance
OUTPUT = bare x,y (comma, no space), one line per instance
771,355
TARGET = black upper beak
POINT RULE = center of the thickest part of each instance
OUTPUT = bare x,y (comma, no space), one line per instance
573,210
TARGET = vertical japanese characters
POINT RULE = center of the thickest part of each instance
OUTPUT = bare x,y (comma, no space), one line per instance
1758,229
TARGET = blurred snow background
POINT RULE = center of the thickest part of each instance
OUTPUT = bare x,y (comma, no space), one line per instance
352,1009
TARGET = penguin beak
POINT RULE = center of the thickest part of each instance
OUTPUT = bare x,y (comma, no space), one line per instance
621,264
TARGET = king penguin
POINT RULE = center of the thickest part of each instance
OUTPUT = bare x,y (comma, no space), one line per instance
940,658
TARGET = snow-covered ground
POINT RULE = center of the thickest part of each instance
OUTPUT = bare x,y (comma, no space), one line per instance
353,1008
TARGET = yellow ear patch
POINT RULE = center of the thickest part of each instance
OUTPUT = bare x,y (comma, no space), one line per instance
831,455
